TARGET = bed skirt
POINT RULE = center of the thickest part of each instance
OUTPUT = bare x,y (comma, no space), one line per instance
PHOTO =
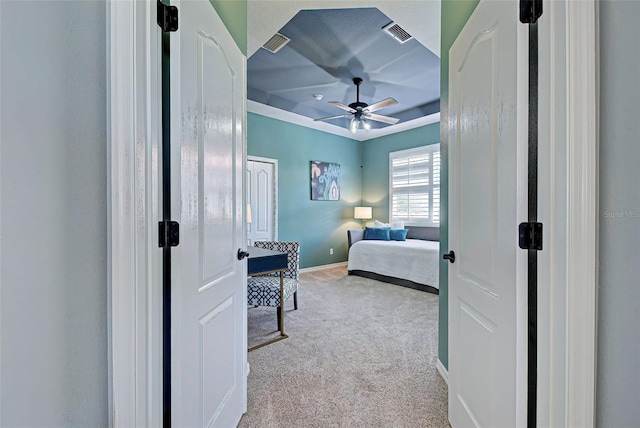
396,281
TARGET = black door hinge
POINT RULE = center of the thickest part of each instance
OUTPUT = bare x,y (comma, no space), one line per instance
168,234
167,17
530,236
530,11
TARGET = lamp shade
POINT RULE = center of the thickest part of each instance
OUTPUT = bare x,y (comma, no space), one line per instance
362,213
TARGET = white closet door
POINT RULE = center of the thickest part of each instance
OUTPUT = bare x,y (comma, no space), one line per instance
262,194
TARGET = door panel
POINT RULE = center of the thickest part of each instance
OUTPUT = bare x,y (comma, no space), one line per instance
474,375
483,178
218,386
216,147
264,203
477,184
208,296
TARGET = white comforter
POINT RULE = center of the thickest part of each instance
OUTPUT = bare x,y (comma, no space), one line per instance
413,259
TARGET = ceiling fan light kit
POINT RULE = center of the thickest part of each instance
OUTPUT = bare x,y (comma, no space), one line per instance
353,125
362,111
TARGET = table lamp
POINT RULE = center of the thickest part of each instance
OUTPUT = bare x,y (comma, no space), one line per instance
362,213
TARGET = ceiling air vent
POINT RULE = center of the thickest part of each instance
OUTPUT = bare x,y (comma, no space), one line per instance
275,43
397,32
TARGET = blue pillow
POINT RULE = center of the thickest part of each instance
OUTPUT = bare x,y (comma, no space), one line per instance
377,233
398,234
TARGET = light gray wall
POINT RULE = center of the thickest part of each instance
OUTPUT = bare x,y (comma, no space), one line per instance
53,214
618,385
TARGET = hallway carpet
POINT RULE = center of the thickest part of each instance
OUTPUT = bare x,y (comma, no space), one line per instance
360,353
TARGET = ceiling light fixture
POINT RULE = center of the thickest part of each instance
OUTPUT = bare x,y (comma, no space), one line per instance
363,112
317,96
353,125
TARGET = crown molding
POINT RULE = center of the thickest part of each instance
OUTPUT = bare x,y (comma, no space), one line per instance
361,135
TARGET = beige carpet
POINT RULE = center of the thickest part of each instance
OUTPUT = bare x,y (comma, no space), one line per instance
360,353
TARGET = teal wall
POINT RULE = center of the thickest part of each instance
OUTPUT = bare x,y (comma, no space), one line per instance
234,15
317,225
375,155
454,14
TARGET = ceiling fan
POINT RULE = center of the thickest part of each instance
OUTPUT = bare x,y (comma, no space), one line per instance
363,111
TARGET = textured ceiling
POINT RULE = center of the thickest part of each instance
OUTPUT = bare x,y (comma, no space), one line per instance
421,18
331,46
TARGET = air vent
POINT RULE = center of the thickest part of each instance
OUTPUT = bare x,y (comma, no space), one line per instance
276,43
397,32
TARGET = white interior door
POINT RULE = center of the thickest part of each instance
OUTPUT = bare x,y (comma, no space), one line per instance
262,197
208,297
485,199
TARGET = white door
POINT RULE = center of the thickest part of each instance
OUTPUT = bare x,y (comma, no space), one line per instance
208,296
485,183
261,194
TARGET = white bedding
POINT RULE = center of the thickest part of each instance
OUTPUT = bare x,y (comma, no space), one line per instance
413,259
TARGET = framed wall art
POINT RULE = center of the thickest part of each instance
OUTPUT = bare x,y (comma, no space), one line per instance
325,181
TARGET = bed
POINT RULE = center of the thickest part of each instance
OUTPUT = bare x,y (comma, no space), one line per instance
413,263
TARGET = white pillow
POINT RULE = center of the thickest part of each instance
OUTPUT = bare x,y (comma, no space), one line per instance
398,224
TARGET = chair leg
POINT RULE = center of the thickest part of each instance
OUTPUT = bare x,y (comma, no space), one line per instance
278,314
295,300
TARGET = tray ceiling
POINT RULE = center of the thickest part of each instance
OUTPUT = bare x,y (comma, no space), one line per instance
328,48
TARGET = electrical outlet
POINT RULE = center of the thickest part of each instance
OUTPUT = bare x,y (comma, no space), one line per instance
330,250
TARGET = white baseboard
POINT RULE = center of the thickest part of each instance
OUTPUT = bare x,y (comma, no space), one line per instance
331,265
443,372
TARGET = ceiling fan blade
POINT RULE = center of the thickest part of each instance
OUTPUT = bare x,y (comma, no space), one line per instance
388,102
332,117
342,106
381,118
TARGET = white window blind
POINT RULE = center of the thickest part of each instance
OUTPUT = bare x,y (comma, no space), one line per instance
414,186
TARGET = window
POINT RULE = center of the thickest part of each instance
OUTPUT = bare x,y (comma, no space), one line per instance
414,186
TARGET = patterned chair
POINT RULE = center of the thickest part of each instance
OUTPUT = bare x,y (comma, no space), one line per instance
264,290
